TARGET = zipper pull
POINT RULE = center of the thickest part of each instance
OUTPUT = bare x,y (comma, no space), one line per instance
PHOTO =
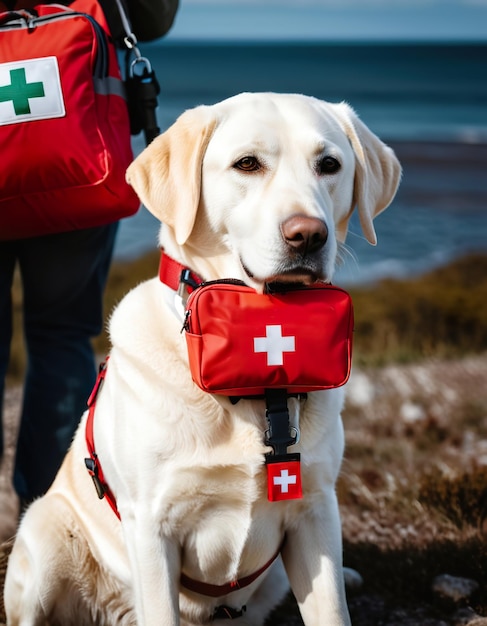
186,321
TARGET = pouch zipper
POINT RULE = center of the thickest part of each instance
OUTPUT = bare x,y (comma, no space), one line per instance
224,281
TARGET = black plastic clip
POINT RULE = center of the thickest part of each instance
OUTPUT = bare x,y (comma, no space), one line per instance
92,467
142,90
279,435
186,280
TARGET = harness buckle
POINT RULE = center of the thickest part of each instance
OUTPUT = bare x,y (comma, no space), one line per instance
92,467
186,280
280,433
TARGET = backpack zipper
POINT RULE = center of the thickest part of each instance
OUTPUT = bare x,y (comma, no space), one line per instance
31,21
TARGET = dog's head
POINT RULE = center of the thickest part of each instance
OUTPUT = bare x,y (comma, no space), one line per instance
261,186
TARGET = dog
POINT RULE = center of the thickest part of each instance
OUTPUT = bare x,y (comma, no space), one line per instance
260,188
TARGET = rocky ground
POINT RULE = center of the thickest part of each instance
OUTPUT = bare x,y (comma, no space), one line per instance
413,495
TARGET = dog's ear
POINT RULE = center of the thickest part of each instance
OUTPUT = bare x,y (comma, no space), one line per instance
167,174
377,171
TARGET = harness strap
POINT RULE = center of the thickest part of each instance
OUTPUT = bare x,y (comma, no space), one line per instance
216,591
92,463
176,275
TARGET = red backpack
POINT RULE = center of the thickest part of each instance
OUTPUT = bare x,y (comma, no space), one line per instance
64,125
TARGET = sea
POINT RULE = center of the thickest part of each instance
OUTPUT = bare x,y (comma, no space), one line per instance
428,100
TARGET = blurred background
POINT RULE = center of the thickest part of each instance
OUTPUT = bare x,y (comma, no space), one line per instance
415,72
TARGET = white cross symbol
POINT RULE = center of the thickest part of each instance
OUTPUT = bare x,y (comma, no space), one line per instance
274,344
284,480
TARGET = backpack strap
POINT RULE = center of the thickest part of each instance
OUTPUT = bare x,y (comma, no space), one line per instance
140,80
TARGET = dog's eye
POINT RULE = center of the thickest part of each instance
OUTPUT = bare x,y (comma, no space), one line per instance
247,164
328,165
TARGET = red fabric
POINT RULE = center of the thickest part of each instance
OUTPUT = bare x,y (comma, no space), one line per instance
92,7
241,342
170,273
97,473
66,172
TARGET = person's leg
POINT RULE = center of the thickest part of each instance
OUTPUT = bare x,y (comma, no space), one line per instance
63,278
7,266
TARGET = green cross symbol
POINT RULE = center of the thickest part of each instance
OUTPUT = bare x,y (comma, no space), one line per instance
19,91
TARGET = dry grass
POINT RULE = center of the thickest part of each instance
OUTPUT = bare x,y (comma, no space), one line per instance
413,491
441,314
414,483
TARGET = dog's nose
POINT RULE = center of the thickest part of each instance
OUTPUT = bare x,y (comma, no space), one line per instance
304,234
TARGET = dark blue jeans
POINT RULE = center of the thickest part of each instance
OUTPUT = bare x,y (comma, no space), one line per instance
63,279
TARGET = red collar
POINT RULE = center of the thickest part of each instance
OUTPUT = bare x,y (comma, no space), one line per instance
93,466
176,275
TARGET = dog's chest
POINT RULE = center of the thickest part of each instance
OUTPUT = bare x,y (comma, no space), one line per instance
215,491
225,522
197,493
215,470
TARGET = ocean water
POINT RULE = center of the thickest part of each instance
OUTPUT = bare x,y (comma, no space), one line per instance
428,100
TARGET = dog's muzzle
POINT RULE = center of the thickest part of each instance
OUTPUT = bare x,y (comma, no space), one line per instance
304,235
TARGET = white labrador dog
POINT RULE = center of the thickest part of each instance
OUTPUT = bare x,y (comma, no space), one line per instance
259,187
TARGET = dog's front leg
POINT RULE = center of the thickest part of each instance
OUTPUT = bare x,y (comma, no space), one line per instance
313,560
155,567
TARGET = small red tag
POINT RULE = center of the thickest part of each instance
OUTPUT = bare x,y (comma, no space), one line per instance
284,479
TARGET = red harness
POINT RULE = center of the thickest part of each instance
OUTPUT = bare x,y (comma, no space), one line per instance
93,464
170,272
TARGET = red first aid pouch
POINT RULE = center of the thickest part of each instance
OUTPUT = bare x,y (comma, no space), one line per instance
241,342
64,125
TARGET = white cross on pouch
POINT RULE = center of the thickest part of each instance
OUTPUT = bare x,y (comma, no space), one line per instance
284,480
274,344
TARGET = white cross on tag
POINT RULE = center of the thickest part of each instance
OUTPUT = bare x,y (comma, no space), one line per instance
284,480
274,344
